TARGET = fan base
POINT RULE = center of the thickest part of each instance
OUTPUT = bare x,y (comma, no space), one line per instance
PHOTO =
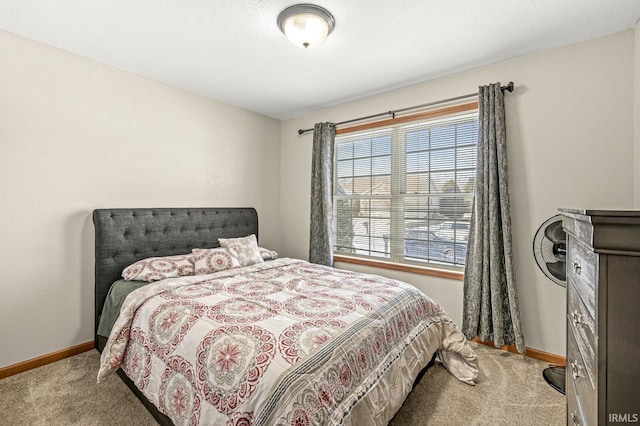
555,376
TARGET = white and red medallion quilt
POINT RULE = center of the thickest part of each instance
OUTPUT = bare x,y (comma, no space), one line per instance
284,342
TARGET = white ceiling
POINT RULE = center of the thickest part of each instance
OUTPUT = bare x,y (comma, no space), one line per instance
233,51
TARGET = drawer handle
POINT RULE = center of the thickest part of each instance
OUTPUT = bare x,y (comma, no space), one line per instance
576,267
576,318
574,418
576,376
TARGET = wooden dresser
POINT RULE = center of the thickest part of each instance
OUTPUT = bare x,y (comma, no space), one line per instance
603,316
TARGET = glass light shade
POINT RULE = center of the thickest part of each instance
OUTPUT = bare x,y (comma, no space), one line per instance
306,30
306,25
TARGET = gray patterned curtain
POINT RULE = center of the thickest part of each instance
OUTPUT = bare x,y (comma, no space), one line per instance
320,244
490,299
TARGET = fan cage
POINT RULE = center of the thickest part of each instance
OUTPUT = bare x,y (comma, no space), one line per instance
543,250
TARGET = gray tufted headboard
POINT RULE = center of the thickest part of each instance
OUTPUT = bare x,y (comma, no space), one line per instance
124,236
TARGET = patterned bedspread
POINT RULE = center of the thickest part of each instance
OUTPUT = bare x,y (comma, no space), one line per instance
284,342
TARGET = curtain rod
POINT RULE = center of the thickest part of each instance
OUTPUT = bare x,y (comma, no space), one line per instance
508,88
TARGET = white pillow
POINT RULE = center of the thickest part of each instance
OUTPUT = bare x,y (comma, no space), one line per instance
208,261
247,247
159,268
267,254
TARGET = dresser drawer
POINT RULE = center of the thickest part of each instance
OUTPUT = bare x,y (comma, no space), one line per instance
582,269
583,327
574,414
585,391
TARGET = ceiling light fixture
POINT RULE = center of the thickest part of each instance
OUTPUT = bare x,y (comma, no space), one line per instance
306,25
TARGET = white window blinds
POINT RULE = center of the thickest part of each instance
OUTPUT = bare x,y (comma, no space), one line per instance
404,192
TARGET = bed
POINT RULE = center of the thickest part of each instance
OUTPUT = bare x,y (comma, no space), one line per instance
273,342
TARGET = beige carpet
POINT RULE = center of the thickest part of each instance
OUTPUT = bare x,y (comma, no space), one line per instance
510,391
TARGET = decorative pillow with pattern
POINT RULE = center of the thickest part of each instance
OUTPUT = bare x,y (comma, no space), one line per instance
208,261
159,268
267,254
247,247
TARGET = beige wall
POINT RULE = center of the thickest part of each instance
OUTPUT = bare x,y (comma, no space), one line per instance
570,126
76,135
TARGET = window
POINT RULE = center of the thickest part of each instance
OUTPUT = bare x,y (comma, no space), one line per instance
404,188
